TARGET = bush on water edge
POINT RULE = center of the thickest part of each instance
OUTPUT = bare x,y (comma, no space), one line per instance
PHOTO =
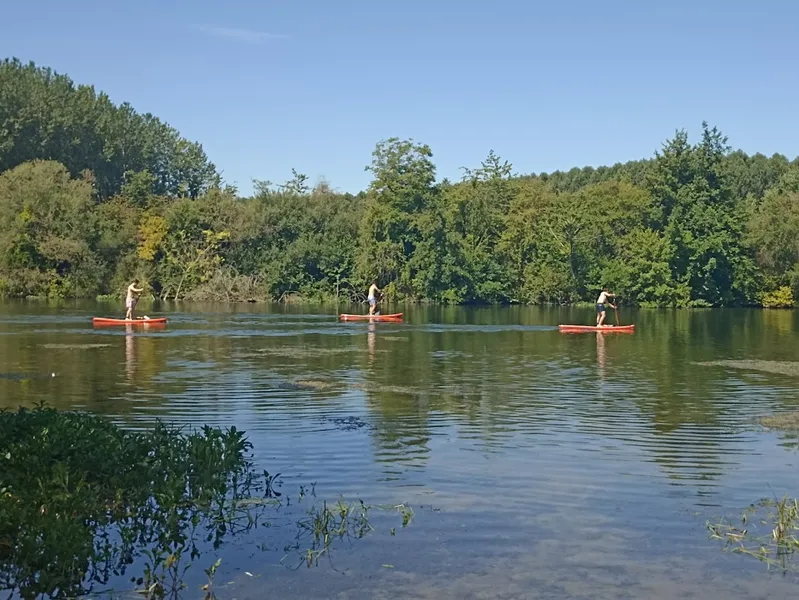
83,500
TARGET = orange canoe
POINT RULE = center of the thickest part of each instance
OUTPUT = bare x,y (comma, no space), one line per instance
104,321
592,328
392,317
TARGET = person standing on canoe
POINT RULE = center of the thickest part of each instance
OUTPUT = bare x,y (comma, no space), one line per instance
601,313
132,299
372,296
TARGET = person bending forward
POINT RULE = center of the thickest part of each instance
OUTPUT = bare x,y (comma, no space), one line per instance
601,313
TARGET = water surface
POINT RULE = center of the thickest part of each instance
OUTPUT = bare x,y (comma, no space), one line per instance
539,464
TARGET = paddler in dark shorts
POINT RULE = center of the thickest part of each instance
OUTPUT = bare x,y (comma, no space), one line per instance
600,306
132,298
372,297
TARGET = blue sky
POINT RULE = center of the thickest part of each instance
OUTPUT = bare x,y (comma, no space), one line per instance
267,86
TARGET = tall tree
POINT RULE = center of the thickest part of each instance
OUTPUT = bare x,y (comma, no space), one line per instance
702,220
476,211
44,115
402,215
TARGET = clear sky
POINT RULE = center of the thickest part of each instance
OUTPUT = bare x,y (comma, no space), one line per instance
314,84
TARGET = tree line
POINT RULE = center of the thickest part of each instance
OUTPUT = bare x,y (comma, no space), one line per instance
93,194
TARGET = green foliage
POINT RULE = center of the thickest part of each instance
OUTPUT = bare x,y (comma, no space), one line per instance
702,221
85,502
44,115
47,231
475,219
296,242
780,298
772,232
641,271
401,233
696,225
82,499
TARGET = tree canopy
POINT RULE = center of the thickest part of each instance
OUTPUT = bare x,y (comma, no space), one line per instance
93,194
45,116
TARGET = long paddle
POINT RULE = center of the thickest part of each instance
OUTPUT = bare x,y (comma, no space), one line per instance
616,310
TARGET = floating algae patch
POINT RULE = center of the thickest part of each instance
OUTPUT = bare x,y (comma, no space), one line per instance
74,346
768,366
307,385
391,389
317,384
785,421
306,351
349,423
449,354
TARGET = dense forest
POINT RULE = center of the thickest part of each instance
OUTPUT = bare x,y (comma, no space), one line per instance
93,194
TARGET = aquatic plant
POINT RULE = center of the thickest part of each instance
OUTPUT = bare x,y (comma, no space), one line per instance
83,500
768,531
342,520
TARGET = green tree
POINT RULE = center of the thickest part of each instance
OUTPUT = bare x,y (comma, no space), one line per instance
476,211
753,175
641,273
702,220
44,115
401,214
47,232
522,242
696,225
772,231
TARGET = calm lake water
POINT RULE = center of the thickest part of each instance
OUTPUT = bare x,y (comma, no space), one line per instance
538,464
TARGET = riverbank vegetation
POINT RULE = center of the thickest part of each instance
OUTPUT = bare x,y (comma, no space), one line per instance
93,194
85,504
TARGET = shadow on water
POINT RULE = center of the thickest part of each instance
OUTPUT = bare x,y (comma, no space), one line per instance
551,465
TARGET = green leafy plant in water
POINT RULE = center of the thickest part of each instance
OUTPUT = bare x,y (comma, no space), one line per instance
83,499
208,587
326,523
777,545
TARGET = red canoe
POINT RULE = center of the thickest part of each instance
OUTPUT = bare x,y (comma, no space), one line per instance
104,321
393,317
603,329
